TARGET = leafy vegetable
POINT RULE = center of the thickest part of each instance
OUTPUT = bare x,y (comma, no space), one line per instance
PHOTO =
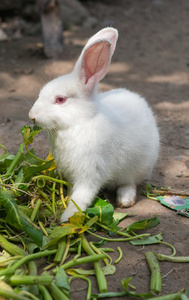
144,224
148,241
16,219
33,195
28,133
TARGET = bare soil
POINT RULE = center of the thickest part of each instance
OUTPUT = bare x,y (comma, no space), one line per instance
152,59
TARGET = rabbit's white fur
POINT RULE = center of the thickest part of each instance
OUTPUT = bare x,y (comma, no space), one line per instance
107,139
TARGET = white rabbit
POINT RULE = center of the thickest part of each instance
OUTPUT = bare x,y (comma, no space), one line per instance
98,140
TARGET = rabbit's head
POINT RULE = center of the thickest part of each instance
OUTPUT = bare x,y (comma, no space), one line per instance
69,98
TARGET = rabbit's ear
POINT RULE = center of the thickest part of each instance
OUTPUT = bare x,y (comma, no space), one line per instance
108,33
95,58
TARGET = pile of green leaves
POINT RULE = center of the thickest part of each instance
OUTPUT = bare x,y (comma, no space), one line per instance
32,199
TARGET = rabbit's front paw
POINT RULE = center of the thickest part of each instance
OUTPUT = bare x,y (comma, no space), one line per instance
126,195
69,212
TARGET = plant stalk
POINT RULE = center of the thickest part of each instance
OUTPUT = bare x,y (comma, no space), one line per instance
82,260
15,160
11,248
30,280
101,279
155,283
11,295
12,269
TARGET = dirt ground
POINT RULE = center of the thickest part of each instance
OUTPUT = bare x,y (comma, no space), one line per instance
152,59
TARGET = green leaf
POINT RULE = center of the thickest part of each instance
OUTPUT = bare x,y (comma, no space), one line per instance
29,160
29,172
5,161
80,271
144,224
20,187
76,220
103,210
119,216
107,270
20,177
62,280
74,226
28,133
148,241
148,188
18,220
125,282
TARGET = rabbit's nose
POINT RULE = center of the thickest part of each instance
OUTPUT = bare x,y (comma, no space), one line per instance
33,120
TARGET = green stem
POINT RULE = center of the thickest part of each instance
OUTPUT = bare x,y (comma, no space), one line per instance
30,295
5,150
11,295
33,272
61,250
12,269
107,249
66,249
118,239
35,210
82,260
51,179
120,255
11,248
37,158
7,261
15,160
99,251
44,292
30,280
180,259
43,229
89,284
41,183
46,198
172,247
109,295
102,284
62,192
155,283
77,206
56,292
53,197
175,296
109,229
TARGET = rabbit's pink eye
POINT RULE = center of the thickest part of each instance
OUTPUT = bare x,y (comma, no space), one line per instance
60,100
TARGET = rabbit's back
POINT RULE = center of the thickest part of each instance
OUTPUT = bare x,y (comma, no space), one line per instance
135,143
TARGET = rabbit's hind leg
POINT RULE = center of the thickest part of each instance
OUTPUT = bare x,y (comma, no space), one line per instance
126,195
